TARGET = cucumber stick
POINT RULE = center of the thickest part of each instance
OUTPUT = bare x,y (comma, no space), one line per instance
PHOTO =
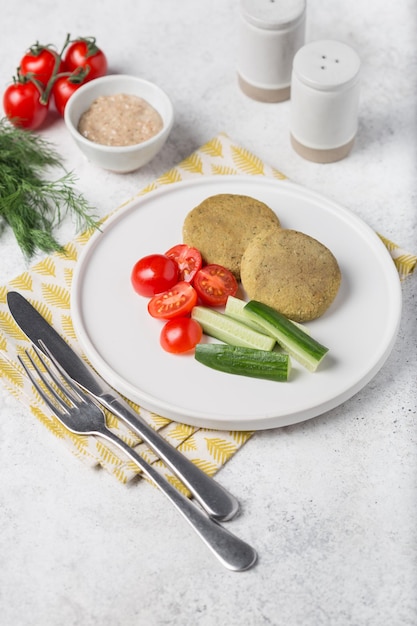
289,336
274,366
235,307
229,330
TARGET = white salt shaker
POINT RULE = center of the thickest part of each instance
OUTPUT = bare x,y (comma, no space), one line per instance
270,33
324,100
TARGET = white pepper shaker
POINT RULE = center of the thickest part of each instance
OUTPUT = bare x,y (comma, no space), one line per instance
324,100
270,33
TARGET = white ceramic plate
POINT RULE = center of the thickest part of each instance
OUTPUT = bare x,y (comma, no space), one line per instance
121,340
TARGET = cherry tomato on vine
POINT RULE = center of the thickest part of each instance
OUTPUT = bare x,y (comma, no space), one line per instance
22,105
180,335
62,91
188,259
175,302
40,62
154,274
214,283
84,53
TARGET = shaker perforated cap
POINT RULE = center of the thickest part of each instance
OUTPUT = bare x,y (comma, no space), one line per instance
325,89
327,65
273,15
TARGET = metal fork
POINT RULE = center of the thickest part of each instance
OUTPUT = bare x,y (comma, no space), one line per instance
78,412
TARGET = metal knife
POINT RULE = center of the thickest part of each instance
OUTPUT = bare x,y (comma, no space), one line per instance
214,498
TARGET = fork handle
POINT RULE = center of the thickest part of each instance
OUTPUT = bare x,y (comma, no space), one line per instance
214,498
232,552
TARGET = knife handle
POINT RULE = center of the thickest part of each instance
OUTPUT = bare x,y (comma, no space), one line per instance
232,552
214,498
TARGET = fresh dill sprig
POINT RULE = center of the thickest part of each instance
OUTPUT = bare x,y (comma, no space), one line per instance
30,204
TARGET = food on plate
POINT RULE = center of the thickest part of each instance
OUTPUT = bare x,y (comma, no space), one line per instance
188,259
222,226
274,366
254,326
290,336
229,330
180,335
214,284
167,275
120,120
177,301
235,308
291,272
153,274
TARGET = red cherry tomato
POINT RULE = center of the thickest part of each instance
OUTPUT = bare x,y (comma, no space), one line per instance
214,284
154,274
181,334
188,259
40,62
84,53
175,302
22,105
62,91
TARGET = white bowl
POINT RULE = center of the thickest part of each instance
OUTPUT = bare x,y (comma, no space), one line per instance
119,158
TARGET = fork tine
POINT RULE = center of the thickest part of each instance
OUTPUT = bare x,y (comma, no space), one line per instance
38,387
71,393
77,393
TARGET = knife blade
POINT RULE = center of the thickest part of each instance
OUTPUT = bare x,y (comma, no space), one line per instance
212,496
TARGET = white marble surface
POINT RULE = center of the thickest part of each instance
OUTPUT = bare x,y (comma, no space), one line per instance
330,504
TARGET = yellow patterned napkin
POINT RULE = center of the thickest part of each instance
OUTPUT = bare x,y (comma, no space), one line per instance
47,285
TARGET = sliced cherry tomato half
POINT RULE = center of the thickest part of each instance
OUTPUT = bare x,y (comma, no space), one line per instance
188,258
175,302
180,335
214,284
154,274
